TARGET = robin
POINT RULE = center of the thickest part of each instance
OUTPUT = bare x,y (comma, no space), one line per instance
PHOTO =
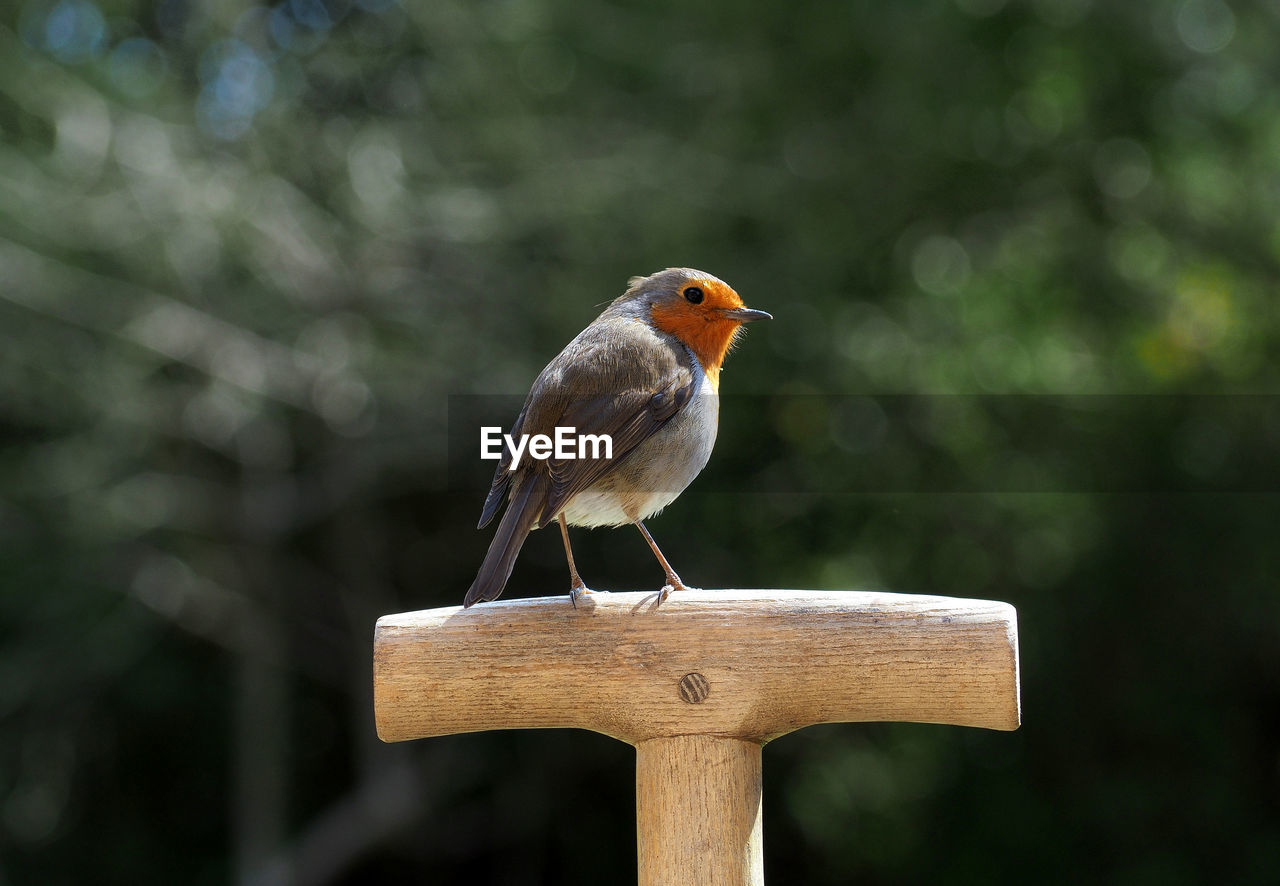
646,373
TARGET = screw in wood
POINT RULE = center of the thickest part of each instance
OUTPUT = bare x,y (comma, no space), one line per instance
694,688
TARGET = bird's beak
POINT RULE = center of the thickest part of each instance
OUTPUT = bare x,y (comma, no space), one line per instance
745,315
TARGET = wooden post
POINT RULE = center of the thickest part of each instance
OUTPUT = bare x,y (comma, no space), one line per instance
698,810
697,684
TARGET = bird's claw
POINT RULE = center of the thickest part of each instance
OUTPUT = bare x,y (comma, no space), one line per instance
673,584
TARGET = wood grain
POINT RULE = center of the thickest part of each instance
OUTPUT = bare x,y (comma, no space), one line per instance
698,811
747,664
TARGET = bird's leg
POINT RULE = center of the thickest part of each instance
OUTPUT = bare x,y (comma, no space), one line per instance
673,581
576,584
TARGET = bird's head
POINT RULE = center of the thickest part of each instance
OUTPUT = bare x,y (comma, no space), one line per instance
702,311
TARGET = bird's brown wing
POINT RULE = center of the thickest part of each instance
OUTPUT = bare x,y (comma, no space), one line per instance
616,378
629,418
501,475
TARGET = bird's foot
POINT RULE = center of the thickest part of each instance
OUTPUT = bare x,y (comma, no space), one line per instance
673,584
576,591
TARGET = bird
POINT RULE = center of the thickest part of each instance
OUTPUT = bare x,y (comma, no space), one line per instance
646,373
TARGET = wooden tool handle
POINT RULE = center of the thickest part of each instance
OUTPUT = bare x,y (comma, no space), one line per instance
698,812
742,664
697,683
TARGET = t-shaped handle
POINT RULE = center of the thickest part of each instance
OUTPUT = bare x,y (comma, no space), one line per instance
698,683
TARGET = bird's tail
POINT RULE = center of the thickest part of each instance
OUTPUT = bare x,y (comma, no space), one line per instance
513,529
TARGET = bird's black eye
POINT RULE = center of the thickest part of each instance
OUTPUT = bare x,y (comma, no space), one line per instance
693,295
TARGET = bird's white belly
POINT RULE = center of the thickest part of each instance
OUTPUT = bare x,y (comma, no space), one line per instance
655,473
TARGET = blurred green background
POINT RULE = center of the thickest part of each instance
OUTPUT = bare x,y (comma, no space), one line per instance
249,253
